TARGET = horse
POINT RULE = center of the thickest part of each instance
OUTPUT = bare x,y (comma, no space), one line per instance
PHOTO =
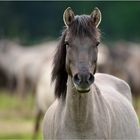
10,52
88,105
29,67
43,98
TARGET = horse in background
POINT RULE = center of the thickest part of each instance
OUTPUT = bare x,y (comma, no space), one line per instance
20,66
31,64
87,105
28,68
44,92
10,52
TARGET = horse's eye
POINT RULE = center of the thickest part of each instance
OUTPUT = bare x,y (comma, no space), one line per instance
97,43
66,44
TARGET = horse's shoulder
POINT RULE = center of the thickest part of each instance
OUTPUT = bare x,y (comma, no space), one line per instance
113,82
50,112
48,121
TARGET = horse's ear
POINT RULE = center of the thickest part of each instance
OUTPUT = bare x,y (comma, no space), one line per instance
68,16
96,16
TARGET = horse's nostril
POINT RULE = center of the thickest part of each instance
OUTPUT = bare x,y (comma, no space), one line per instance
90,78
83,79
77,79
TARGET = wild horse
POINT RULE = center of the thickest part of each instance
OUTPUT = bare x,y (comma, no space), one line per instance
87,105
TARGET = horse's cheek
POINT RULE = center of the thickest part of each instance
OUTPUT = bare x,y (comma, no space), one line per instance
67,66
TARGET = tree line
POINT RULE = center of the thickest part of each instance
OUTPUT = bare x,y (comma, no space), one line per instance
35,21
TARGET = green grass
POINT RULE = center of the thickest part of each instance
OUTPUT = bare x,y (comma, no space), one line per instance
16,136
9,101
22,136
16,116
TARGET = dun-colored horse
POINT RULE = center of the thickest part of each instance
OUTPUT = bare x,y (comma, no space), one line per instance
87,105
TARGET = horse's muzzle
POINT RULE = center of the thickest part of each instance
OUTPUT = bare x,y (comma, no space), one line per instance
82,81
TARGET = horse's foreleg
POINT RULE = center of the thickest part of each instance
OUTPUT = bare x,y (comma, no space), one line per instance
37,124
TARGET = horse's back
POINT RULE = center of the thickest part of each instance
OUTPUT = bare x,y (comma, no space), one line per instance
117,97
109,81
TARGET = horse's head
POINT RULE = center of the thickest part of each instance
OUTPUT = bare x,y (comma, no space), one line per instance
77,52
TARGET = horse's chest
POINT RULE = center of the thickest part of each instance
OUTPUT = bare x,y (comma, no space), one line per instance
77,132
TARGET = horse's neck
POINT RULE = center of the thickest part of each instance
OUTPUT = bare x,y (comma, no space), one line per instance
79,107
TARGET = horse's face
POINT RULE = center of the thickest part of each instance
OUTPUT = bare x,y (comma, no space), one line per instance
81,43
81,62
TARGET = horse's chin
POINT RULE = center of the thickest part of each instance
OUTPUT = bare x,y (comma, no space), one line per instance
82,90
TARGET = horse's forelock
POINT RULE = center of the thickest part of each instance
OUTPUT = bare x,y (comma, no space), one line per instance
83,26
59,74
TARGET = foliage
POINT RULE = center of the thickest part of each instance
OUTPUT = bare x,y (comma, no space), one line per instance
35,21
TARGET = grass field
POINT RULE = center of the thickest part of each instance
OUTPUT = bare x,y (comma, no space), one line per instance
17,117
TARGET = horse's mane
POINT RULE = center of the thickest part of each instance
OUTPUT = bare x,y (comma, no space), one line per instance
59,72
81,26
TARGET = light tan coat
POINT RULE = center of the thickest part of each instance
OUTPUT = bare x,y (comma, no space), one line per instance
106,112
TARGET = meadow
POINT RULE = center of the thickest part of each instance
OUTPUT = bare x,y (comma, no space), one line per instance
17,116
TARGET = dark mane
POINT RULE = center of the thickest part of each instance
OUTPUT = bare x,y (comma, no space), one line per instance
59,72
81,26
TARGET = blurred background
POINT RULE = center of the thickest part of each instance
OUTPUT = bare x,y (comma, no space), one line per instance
29,33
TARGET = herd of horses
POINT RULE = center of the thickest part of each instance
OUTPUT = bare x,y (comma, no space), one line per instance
78,102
